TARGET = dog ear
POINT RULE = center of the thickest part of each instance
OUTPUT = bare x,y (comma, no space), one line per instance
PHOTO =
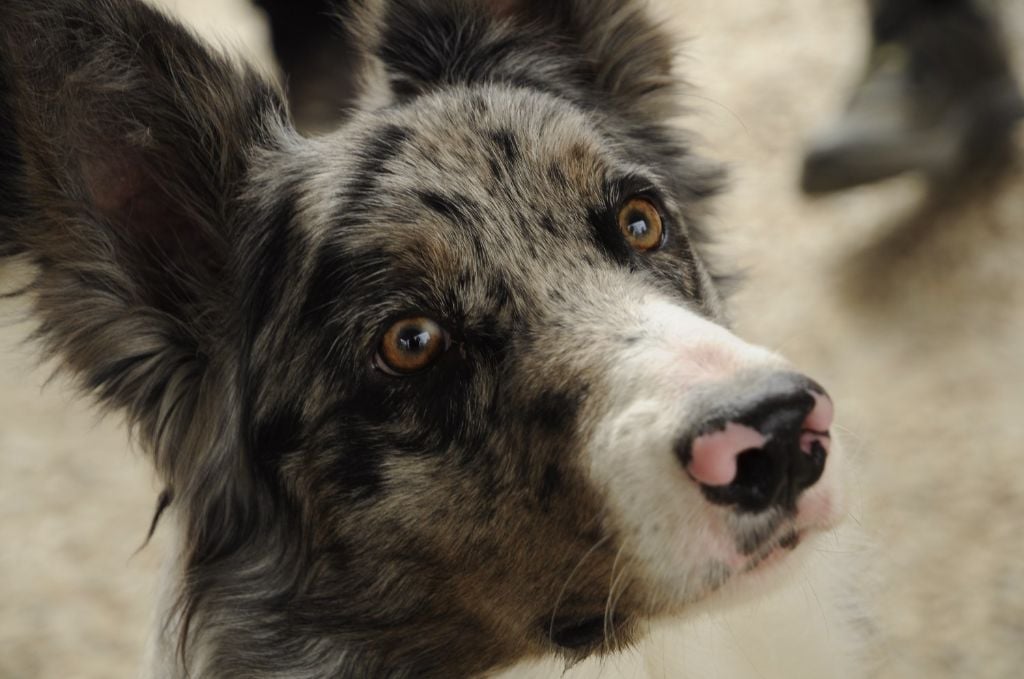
123,146
630,51
613,51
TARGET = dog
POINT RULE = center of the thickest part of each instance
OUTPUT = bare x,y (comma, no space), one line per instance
447,391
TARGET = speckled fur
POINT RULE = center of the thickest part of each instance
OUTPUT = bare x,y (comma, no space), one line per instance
225,281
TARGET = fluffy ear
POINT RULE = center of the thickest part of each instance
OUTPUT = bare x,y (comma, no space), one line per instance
611,50
630,51
123,144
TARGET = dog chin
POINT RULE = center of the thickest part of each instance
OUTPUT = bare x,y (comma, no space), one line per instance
734,577
780,563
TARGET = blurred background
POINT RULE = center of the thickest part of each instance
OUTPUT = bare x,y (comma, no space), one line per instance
904,297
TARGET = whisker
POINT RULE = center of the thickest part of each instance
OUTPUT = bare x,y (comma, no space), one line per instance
568,581
608,599
852,517
808,585
615,601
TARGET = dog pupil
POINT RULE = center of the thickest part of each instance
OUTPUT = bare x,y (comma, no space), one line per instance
638,226
413,340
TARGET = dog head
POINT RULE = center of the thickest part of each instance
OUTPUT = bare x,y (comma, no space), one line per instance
443,389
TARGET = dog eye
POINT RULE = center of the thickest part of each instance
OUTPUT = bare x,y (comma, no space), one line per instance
410,345
640,224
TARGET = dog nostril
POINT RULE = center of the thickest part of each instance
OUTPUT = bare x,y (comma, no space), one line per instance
714,456
764,478
757,478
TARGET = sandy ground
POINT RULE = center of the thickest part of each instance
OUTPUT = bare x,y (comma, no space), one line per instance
915,325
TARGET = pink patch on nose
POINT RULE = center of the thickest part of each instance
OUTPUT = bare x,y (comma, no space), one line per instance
713,456
820,418
817,424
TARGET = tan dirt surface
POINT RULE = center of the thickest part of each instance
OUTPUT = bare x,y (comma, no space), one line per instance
916,326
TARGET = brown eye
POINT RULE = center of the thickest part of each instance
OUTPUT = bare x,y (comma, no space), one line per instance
640,224
411,345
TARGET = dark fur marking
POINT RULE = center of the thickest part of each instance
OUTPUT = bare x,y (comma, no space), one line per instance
550,485
333,273
385,146
677,267
478,247
391,418
270,267
557,176
547,222
497,169
578,151
328,277
357,461
553,411
276,434
457,209
607,236
490,337
500,292
509,145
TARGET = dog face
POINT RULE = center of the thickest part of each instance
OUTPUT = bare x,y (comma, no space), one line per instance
441,390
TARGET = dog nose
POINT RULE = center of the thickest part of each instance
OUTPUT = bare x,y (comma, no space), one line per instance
767,450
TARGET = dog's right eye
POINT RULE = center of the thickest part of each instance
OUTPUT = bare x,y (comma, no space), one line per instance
410,345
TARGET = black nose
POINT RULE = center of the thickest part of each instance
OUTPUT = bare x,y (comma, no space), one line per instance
766,449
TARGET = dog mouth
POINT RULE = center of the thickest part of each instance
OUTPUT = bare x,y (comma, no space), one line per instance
585,632
773,550
752,561
582,634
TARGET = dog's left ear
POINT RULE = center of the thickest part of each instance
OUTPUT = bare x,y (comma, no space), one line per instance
630,51
610,50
